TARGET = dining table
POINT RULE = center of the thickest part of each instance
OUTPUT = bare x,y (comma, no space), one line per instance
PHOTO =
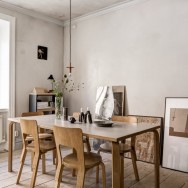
116,133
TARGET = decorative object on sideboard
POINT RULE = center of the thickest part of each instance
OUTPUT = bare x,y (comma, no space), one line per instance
39,90
51,78
42,52
175,154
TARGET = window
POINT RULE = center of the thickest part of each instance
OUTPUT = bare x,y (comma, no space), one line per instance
4,63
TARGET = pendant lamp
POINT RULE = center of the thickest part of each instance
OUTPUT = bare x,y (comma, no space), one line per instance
70,67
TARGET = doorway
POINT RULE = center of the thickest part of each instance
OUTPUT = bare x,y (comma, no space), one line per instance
7,76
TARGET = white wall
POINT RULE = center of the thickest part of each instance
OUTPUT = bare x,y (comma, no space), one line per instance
144,47
31,72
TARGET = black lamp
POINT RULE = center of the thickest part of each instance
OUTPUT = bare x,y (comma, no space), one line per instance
51,78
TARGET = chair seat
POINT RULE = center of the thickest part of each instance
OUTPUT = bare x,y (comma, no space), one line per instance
45,145
91,160
107,147
41,136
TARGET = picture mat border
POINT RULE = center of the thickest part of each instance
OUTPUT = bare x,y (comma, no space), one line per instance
172,102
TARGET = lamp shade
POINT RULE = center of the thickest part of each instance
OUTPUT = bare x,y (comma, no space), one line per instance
51,77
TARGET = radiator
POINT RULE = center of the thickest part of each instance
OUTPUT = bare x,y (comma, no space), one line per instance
2,130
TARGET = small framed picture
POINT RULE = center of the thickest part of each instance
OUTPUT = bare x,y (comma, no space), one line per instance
42,52
175,152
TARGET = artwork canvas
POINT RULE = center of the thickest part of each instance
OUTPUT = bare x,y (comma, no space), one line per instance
110,101
42,52
119,100
178,122
175,153
104,103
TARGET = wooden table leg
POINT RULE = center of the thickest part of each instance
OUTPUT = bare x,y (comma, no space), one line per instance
156,158
10,148
116,168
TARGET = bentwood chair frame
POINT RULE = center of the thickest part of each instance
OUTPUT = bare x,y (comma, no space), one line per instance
42,134
38,147
79,160
124,147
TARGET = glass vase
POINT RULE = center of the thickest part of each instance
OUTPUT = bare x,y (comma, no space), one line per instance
58,107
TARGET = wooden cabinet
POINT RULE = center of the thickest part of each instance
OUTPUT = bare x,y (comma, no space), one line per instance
42,102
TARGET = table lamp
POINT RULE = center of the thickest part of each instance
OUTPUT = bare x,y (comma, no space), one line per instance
51,78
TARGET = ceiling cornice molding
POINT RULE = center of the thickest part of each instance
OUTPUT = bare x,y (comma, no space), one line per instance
30,13
104,11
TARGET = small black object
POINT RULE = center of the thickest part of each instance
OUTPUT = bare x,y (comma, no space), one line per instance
72,119
87,115
81,117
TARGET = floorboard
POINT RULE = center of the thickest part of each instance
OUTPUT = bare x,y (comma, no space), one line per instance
168,178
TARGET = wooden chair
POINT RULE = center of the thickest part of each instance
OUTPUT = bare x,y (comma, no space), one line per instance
124,147
38,147
42,133
85,138
80,160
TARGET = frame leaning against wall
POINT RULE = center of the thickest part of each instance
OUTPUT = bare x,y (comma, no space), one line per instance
175,153
144,144
119,100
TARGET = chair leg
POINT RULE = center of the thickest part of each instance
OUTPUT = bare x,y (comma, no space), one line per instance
58,175
43,164
122,170
80,179
22,160
35,169
103,175
54,156
32,157
97,169
88,145
73,170
134,159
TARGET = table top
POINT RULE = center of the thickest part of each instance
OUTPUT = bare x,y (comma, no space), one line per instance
118,131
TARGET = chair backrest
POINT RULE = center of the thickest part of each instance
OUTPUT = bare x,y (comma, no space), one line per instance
70,137
29,127
24,114
128,119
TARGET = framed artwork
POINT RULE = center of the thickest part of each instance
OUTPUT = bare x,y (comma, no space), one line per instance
110,100
104,103
119,100
42,52
175,152
144,144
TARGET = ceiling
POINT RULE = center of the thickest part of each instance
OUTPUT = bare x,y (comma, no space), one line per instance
59,9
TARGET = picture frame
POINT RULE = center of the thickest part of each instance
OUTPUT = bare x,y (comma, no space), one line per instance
119,100
42,52
175,141
110,100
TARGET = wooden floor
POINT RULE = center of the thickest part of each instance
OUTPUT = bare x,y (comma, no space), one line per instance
168,178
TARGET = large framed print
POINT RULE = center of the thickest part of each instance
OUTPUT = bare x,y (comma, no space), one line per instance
175,145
